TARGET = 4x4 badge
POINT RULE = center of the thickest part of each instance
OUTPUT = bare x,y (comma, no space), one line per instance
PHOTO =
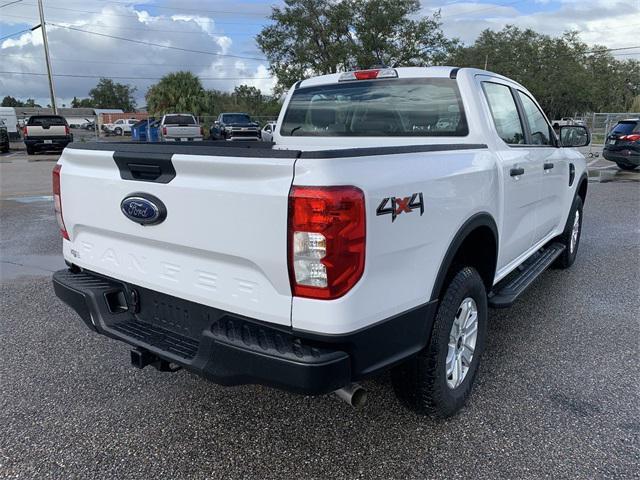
395,206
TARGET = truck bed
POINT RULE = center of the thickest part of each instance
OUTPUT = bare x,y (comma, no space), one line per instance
264,149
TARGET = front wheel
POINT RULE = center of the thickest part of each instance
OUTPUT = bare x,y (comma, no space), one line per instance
570,237
118,131
439,379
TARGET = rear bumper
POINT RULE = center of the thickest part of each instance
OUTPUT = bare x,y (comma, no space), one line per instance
186,139
39,142
626,156
231,350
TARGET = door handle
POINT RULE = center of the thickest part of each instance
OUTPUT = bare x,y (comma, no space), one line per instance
514,172
548,166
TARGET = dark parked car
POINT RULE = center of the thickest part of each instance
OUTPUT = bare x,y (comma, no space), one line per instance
4,138
234,126
623,144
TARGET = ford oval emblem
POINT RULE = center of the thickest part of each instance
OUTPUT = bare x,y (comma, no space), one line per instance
144,209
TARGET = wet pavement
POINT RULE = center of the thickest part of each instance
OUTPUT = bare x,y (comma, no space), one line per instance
557,396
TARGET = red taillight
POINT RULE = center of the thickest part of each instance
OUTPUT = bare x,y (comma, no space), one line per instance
25,131
370,74
326,240
366,74
57,201
66,129
634,137
164,130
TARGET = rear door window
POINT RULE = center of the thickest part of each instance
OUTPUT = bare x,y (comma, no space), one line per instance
540,128
47,121
395,107
504,112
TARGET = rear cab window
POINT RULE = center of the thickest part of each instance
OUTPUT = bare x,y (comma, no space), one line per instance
179,120
416,107
47,121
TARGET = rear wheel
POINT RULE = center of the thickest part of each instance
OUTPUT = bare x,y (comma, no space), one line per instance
30,150
439,379
570,237
623,166
117,131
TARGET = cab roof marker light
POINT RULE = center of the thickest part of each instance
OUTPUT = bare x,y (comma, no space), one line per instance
368,74
387,73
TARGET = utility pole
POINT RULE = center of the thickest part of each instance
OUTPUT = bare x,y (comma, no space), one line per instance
46,55
486,61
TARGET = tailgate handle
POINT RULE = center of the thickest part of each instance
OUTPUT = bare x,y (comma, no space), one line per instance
145,166
144,172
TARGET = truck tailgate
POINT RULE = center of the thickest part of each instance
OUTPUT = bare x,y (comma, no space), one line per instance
223,242
46,130
175,131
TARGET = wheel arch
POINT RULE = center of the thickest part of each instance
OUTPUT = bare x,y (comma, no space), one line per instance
475,243
581,191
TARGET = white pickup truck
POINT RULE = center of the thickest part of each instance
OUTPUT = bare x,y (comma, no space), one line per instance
180,127
394,207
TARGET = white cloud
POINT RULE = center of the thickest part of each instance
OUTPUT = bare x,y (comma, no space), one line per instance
613,23
78,53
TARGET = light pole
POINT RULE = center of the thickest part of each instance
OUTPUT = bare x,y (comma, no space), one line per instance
46,55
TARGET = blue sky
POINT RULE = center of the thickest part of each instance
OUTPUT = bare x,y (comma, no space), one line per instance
226,28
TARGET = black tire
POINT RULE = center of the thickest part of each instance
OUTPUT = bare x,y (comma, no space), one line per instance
421,382
622,166
5,148
117,131
566,259
30,151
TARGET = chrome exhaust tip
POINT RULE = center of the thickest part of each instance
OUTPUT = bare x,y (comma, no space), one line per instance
353,394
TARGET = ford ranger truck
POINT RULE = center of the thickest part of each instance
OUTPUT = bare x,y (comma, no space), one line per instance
392,210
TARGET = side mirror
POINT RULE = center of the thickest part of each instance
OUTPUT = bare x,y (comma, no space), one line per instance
574,136
216,122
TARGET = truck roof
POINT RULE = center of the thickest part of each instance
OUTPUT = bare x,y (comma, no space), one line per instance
408,72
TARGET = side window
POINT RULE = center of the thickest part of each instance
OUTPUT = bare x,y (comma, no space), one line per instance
540,130
504,112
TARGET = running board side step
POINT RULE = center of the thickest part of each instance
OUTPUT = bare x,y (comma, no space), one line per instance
509,289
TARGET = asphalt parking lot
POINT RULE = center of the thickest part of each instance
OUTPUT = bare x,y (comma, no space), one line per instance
558,394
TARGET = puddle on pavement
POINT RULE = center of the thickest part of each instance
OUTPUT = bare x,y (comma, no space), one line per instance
15,266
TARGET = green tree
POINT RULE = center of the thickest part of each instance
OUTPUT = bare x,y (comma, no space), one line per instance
10,101
313,37
109,94
179,92
82,103
564,74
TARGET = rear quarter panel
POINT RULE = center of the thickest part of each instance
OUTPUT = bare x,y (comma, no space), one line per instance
402,256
